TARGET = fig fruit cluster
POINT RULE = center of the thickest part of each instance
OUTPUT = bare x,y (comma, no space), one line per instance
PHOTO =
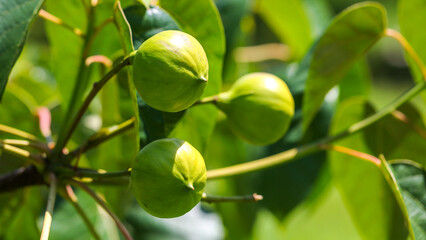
170,72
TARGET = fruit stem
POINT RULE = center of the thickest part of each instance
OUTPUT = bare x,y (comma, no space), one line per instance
92,173
102,203
247,198
297,152
93,92
53,19
101,136
410,50
211,99
47,222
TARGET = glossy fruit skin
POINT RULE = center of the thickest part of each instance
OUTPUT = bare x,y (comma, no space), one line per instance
168,177
259,108
170,71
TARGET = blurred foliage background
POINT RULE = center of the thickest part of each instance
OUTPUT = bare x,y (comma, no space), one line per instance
302,199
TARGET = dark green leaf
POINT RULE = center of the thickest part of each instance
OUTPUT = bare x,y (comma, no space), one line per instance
289,21
145,23
348,37
362,185
396,139
156,124
16,17
412,185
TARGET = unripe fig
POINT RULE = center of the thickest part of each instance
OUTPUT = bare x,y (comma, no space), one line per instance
170,71
259,108
168,177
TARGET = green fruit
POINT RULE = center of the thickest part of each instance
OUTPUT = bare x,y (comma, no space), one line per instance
259,108
170,71
168,177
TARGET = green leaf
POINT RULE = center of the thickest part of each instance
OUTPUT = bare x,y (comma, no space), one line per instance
347,38
397,139
410,180
156,124
125,36
24,224
145,23
361,184
411,19
289,21
65,46
16,17
315,218
201,20
407,183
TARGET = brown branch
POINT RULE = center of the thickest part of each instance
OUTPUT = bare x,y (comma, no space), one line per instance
19,178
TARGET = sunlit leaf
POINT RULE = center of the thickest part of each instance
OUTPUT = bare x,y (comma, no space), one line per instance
361,184
347,38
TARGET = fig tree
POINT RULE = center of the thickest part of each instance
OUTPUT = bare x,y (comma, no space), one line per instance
168,177
170,71
259,108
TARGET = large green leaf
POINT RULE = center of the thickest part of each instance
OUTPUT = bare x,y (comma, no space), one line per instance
314,218
16,17
201,20
347,38
362,185
396,139
289,21
411,20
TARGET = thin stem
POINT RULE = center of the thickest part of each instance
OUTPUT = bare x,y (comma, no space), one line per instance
206,100
93,92
403,118
49,209
19,152
25,143
410,50
17,132
92,173
117,221
78,90
102,136
53,19
72,198
354,153
248,198
316,146
98,29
